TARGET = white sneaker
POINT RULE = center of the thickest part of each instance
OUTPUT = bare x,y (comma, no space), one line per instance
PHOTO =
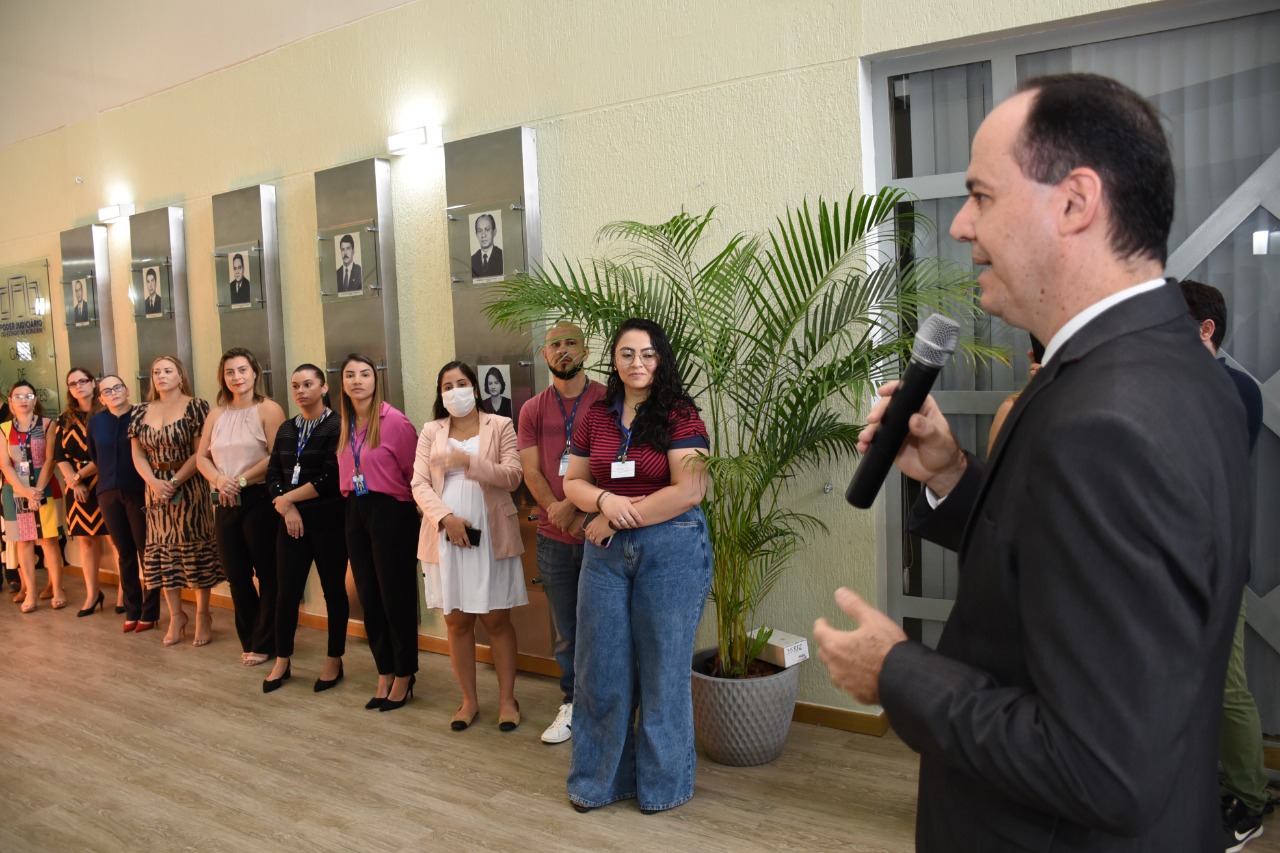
562,729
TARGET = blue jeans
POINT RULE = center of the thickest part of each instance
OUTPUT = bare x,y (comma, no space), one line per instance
639,603
559,565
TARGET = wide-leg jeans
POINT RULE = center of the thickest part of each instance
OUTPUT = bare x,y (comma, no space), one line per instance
639,604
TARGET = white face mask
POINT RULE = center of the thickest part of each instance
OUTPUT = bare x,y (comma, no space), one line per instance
459,401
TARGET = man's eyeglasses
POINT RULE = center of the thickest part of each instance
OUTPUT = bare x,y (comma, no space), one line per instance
79,383
111,390
22,397
626,356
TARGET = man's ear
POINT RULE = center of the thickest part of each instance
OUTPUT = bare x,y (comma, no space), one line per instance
1207,328
1081,206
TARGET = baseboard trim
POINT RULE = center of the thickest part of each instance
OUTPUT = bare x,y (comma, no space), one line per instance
840,718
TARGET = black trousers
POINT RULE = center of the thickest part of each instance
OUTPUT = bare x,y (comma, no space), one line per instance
323,542
382,543
125,514
247,545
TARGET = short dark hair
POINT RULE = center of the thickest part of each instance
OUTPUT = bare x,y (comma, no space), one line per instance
1089,120
495,372
348,240
439,410
151,273
489,216
238,257
1207,303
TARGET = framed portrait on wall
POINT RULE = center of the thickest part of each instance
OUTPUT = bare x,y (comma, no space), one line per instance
346,251
486,246
80,303
495,389
239,285
152,294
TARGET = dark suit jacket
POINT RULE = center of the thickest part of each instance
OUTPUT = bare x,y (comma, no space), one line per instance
82,312
245,294
354,283
479,269
1075,697
504,407
152,305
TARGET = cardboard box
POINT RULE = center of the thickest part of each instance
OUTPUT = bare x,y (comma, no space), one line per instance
783,649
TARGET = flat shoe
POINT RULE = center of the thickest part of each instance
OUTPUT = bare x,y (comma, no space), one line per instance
579,808
461,724
58,603
509,724
28,607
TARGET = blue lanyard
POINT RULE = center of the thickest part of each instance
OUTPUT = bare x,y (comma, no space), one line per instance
569,418
306,428
626,441
355,448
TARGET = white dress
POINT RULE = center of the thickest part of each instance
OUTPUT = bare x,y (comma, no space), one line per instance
470,579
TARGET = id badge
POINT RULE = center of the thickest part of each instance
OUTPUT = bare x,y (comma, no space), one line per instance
357,482
24,468
622,470
297,472
564,464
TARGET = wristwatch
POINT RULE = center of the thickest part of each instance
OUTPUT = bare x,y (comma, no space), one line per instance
243,482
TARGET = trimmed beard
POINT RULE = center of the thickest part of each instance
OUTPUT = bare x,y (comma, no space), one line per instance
566,375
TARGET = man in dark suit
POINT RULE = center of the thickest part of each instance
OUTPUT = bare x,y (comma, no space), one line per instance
239,284
1074,699
349,280
81,307
487,261
152,306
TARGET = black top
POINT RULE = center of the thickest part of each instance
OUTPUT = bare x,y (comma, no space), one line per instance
1251,396
109,446
318,461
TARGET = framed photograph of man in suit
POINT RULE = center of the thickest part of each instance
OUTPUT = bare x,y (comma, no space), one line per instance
152,294
346,250
239,285
79,303
486,246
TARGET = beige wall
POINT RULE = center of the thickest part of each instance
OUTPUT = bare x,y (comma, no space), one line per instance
641,108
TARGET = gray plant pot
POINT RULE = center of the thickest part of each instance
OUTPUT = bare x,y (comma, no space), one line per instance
742,721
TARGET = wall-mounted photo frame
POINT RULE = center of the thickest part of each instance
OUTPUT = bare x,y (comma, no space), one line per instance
486,246
348,276
495,389
79,297
238,273
348,261
151,297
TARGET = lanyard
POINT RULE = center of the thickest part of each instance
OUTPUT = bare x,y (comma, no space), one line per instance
355,448
626,441
571,417
306,428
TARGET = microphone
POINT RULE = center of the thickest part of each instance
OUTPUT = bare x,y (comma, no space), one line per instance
936,341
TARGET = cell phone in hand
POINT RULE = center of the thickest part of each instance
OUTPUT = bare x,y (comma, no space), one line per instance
474,535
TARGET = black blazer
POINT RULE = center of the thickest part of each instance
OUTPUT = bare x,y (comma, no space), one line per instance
1075,697
354,283
242,295
82,312
479,269
153,305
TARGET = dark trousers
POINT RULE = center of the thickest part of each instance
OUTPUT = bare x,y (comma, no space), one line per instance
125,514
247,545
382,543
323,542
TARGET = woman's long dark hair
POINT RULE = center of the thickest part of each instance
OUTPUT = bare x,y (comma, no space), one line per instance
72,414
652,424
440,410
224,393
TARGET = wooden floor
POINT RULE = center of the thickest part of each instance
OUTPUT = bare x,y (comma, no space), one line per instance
117,743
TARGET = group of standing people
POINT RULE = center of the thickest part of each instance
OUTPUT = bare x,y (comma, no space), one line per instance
241,492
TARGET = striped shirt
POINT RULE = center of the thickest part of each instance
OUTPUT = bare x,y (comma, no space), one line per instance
599,437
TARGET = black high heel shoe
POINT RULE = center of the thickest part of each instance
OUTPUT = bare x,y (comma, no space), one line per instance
322,685
390,704
120,608
268,685
88,611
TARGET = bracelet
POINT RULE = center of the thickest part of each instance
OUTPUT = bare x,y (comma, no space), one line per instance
600,499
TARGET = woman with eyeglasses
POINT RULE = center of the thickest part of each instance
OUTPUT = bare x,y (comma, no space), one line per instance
122,497
636,464
302,480
233,455
467,466
31,491
71,453
180,553
375,463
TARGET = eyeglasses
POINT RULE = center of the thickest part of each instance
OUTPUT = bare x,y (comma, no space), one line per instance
22,396
79,383
626,356
111,390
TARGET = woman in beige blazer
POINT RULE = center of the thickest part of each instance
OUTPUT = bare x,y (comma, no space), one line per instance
466,468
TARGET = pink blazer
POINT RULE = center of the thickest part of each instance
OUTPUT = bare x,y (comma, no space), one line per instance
496,466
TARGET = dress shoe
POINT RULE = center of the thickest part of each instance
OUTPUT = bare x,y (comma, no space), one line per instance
130,626
172,639
120,610
59,601
144,626
322,685
97,605
509,724
28,606
202,638
375,704
268,685
461,724
390,704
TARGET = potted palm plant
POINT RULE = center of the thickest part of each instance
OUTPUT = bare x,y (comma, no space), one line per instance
778,337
